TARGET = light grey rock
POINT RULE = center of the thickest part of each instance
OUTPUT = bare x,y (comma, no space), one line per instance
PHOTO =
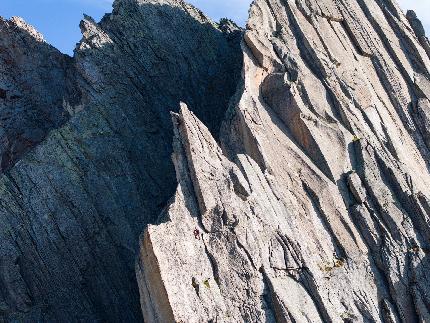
329,131
356,187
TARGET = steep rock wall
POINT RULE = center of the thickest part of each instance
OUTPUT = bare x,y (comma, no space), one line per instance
73,206
311,203
315,205
36,89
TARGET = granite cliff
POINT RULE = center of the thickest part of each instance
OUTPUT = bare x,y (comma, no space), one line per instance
296,187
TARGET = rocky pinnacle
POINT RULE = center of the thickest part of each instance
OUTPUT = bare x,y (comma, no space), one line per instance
86,142
277,173
313,205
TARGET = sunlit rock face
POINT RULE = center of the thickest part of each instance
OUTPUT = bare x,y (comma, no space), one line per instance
291,185
313,206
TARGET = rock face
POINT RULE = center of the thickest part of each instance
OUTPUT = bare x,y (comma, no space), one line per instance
36,84
72,208
302,163
313,206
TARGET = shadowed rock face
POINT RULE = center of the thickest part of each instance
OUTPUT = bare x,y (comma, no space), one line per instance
36,89
313,206
72,208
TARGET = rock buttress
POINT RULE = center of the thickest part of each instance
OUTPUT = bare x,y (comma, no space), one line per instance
73,206
315,205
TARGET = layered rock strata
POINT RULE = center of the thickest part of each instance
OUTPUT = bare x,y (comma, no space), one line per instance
36,88
86,145
314,206
306,201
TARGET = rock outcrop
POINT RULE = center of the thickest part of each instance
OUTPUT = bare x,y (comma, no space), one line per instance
73,206
314,206
302,161
36,87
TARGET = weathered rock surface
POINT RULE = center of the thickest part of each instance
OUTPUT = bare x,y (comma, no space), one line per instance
418,28
36,87
314,205
72,208
308,200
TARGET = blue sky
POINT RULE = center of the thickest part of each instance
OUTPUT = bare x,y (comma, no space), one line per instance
58,20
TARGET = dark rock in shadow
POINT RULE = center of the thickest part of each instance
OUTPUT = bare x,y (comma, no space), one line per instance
36,89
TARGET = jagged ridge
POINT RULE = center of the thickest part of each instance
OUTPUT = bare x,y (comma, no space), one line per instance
311,203
79,190
316,208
